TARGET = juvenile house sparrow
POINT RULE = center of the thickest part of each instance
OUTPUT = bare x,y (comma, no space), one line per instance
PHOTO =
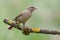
23,16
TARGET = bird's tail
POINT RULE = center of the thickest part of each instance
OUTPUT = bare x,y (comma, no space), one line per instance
10,28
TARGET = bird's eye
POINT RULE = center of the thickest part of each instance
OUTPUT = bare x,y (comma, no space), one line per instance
31,7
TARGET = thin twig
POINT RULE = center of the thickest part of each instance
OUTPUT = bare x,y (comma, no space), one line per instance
27,30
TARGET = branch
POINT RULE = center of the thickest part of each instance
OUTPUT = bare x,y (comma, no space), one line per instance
26,30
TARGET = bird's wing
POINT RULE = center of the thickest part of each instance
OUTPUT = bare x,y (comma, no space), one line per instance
18,16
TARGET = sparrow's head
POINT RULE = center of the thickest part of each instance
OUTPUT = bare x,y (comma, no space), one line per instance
31,9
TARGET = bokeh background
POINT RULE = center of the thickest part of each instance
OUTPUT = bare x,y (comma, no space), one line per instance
47,16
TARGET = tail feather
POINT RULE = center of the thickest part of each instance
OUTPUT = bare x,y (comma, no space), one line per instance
10,28
18,23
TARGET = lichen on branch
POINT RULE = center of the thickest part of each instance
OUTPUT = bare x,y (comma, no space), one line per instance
26,30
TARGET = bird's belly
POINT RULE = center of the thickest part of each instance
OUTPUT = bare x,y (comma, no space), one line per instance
24,18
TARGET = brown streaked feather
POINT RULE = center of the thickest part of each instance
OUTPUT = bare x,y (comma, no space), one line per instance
18,16
14,19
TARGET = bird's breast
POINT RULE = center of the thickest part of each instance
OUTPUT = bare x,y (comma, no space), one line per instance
24,17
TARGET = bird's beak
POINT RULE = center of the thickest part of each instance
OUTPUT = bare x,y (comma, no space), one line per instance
35,8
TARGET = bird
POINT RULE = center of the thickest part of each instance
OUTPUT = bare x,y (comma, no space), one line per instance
23,16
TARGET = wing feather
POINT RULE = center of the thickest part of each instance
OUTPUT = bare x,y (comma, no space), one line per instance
18,16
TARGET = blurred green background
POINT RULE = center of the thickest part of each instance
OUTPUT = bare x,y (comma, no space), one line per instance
47,16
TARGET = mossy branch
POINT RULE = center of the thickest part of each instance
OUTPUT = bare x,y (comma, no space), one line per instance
26,30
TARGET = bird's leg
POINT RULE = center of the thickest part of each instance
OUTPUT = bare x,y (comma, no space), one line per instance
24,24
25,29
